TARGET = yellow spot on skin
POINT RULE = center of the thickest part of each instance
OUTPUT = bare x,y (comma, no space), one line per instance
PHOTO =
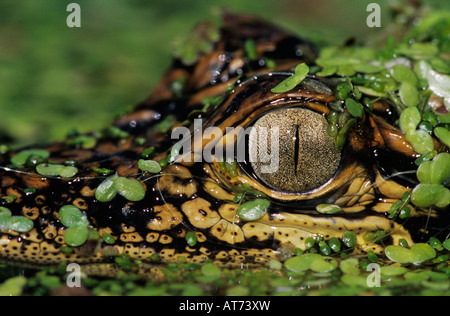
389,188
217,192
152,237
166,217
228,232
200,214
165,239
170,181
86,191
131,237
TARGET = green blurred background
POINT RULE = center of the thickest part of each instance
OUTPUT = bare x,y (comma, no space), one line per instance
54,78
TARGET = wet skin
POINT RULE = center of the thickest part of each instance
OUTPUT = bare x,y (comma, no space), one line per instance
198,197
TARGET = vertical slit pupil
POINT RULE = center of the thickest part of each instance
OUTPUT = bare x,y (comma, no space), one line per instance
297,148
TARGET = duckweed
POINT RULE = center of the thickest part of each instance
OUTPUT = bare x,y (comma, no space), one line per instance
426,195
417,254
4,149
349,239
398,254
402,73
433,175
436,171
191,238
309,242
392,271
20,224
350,266
21,158
108,238
311,261
328,209
83,141
150,166
421,141
5,215
436,244
324,248
335,244
53,170
421,253
76,236
301,72
253,210
130,189
356,109
210,272
443,134
13,286
77,225
301,263
71,216
410,119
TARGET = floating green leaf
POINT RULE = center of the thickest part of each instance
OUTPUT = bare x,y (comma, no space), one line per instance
417,50
402,73
131,189
13,286
356,109
436,244
421,253
310,261
5,217
83,141
149,166
409,94
427,194
108,238
328,209
410,119
392,271
77,223
191,238
71,216
302,263
250,49
350,266
443,134
436,171
324,265
211,272
52,170
301,72
21,158
76,236
107,190
398,254
344,131
446,244
421,141
253,210
335,244
21,224
349,239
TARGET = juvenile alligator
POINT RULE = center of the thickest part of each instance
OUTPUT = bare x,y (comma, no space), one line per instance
362,178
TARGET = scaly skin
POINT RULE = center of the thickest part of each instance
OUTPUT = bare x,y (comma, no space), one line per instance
199,197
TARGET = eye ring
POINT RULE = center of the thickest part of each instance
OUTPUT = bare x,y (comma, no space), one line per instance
291,151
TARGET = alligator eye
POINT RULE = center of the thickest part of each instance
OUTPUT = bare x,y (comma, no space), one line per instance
291,151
